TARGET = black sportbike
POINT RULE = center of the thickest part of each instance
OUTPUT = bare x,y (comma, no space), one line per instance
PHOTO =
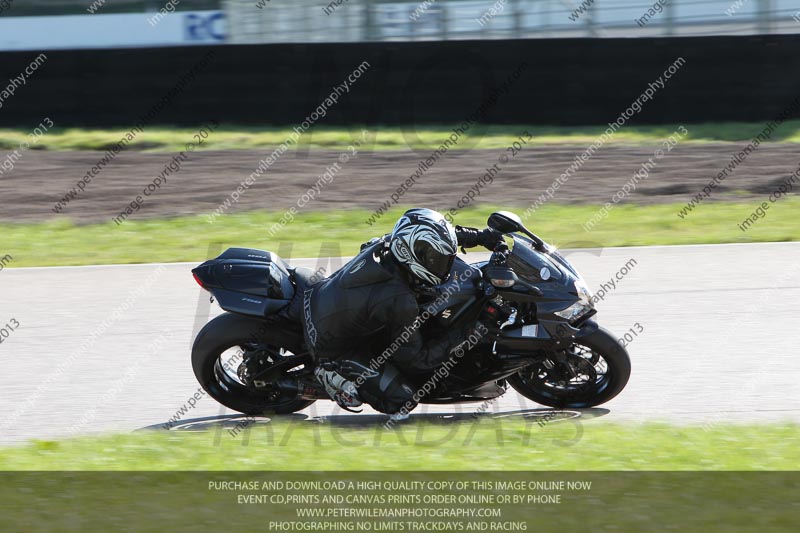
538,332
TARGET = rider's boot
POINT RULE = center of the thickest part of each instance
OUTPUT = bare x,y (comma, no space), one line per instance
342,391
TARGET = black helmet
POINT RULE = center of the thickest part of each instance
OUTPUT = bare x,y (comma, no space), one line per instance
425,243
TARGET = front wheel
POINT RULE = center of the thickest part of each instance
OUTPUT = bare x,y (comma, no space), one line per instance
591,372
218,353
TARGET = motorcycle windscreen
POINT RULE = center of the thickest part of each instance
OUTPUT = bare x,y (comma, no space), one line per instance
531,265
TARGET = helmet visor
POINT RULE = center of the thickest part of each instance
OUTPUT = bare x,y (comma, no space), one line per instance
437,263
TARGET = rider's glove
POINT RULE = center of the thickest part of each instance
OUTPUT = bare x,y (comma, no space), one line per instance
491,239
500,247
370,242
501,253
472,237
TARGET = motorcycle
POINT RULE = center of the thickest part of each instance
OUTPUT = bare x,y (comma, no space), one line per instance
538,332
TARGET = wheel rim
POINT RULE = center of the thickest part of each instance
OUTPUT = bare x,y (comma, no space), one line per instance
582,375
227,379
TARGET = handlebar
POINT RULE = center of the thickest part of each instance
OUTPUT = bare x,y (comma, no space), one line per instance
500,254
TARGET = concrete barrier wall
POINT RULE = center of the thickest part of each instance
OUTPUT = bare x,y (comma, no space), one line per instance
549,82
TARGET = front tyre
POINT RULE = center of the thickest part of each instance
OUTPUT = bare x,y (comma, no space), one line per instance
591,372
217,352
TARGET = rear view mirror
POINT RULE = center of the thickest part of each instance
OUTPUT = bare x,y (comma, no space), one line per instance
505,222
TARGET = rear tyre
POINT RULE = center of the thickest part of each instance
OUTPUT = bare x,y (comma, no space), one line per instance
223,335
596,369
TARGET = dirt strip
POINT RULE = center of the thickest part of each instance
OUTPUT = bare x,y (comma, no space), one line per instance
29,191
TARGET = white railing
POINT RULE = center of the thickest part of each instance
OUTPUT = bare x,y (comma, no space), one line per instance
403,20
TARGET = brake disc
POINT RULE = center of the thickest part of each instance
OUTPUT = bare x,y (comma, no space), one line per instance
569,367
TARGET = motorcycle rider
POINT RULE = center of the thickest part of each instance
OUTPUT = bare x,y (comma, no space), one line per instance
373,301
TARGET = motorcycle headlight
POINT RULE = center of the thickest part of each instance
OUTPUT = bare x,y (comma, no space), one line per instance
582,306
583,291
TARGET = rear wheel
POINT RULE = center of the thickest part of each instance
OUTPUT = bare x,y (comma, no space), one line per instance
219,352
591,372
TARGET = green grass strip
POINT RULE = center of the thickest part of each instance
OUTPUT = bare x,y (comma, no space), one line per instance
500,444
163,138
189,238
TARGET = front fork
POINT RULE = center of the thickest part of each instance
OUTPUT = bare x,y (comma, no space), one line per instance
551,339
564,336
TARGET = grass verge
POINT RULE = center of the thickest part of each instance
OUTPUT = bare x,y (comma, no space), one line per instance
232,137
498,444
189,238
650,477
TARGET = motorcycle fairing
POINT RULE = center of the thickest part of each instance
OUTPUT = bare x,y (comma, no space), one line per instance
248,281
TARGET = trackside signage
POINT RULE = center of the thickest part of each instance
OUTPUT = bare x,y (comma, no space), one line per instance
126,30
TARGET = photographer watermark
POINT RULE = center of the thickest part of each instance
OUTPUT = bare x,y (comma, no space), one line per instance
133,132
315,190
168,8
737,159
640,175
333,5
497,8
79,350
656,9
457,133
634,109
488,178
428,312
619,275
4,260
13,83
95,6
734,7
173,167
421,9
580,10
13,158
266,163
5,331
781,191
442,372
124,380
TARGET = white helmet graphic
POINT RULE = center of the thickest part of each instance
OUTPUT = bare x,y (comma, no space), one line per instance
425,243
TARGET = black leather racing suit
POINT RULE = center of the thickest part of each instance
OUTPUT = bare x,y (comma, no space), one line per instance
369,303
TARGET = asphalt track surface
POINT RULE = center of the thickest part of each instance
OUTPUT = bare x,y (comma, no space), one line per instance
106,348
